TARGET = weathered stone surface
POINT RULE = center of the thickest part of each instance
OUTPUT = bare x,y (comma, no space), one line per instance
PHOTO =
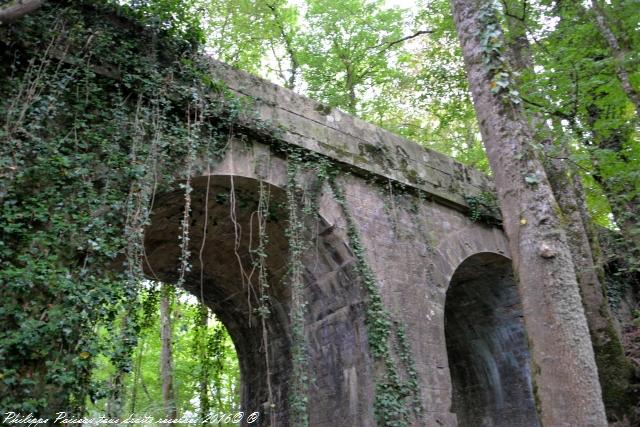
358,144
414,245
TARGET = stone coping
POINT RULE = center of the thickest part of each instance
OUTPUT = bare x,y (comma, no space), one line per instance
354,142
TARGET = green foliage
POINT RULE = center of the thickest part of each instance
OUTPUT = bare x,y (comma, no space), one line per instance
215,362
439,112
576,86
241,32
182,18
297,245
86,142
366,68
484,207
347,50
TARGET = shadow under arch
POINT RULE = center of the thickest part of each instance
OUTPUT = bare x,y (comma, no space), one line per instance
339,363
487,345
227,280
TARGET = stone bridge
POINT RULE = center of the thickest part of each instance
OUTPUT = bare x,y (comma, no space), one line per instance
396,217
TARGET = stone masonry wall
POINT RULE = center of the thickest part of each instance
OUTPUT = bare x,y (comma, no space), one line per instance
407,204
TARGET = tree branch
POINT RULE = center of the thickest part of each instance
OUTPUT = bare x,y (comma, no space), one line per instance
388,45
522,18
618,54
546,109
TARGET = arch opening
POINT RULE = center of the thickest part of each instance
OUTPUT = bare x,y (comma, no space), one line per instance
487,346
227,279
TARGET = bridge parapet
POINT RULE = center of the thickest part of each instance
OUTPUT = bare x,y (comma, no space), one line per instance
354,142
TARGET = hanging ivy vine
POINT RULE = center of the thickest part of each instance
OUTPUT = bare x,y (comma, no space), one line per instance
294,233
91,127
484,208
384,334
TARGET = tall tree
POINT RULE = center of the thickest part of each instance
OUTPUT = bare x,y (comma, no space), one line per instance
348,48
439,113
593,112
618,53
564,369
166,359
613,368
120,357
616,160
201,348
285,22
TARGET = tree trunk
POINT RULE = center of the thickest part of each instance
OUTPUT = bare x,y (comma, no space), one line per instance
203,349
620,191
564,370
350,87
289,83
136,375
16,9
624,200
614,370
114,403
166,359
618,54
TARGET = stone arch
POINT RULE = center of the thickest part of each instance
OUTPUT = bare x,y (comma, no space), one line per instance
227,280
486,344
463,243
339,364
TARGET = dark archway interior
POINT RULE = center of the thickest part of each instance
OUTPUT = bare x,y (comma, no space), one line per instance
228,278
487,346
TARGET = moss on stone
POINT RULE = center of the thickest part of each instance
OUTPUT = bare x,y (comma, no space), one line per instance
323,109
